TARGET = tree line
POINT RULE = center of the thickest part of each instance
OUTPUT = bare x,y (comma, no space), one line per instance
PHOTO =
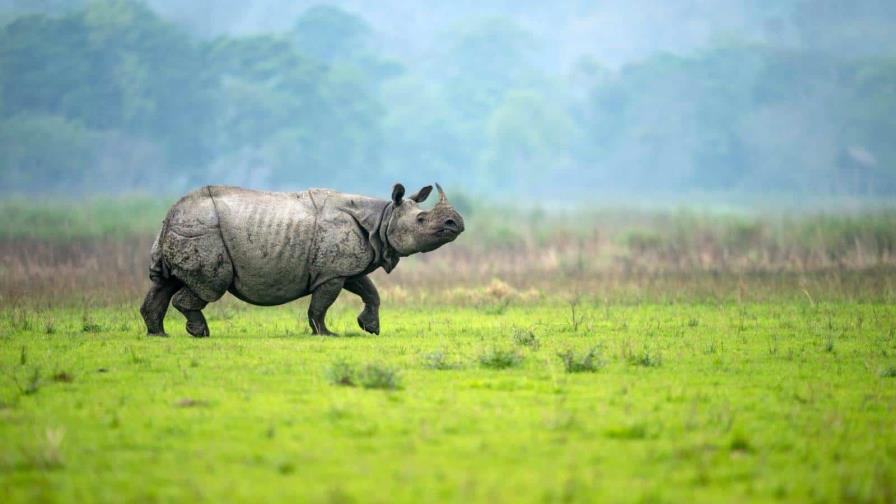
111,97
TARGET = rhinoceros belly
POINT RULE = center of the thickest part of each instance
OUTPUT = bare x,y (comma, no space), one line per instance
268,237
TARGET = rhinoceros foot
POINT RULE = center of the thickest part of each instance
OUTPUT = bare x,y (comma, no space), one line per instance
198,329
369,321
319,329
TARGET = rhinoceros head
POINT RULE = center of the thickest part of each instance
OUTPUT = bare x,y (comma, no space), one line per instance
413,229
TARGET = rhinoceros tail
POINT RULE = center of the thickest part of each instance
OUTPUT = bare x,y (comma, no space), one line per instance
158,269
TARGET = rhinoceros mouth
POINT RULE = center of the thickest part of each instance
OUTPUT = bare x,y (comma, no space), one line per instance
448,233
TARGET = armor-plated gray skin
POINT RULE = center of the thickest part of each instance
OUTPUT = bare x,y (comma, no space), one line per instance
269,248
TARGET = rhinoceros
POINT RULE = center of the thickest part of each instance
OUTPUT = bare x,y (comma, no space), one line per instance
270,248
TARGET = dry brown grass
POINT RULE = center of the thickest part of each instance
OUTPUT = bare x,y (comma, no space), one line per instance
85,271
96,253
114,271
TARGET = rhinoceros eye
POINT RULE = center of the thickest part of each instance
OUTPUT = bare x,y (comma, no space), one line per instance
421,217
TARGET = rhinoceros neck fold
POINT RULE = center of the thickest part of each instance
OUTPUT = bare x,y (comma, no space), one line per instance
389,257
374,218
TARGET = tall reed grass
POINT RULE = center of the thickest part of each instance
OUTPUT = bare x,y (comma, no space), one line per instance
97,252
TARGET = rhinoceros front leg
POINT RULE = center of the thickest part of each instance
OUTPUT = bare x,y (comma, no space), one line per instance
369,319
321,300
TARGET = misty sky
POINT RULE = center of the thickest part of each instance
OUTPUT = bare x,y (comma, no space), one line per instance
613,31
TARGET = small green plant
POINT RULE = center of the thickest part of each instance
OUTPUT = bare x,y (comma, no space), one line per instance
438,360
379,376
135,359
646,358
888,372
497,308
636,430
88,325
63,377
372,376
342,373
576,317
31,384
587,362
773,346
500,358
526,338
740,443
21,321
829,344
48,454
189,402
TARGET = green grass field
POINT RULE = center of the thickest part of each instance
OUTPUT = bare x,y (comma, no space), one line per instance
599,356
679,402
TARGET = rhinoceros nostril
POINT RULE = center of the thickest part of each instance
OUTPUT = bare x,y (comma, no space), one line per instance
450,224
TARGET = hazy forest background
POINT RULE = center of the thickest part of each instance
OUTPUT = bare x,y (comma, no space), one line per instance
536,101
623,150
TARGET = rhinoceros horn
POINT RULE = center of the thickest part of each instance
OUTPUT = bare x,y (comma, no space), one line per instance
443,200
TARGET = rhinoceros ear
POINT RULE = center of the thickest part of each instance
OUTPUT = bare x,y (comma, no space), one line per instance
397,194
421,195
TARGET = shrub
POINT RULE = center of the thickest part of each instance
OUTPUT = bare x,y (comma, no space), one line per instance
646,358
90,326
379,376
372,376
438,360
32,383
342,373
587,362
526,338
499,358
63,377
636,430
740,443
498,290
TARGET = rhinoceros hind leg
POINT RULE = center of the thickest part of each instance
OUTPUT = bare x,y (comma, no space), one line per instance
321,300
369,319
155,305
191,305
